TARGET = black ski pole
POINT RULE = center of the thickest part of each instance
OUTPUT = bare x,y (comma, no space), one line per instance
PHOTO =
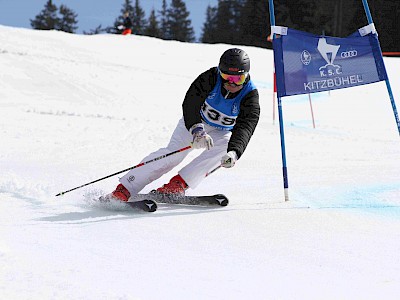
134,167
213,170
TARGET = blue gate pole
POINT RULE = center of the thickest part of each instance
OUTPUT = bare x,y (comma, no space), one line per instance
283,150
396,115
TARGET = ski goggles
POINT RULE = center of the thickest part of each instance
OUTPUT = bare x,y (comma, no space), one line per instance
236,79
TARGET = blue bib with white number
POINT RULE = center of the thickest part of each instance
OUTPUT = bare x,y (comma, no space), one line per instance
220,112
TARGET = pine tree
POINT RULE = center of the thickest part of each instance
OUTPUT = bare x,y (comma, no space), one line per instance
357,19
153,28
210,25
302,13
47,19
253,24
339,18
227,21
334,18
179,24
138,19
68,21
386,14
282,14
164,21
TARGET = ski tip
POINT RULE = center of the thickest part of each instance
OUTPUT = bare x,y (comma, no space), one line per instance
145,205
150,205
222,200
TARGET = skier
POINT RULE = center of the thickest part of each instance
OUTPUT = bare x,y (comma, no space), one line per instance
127,25
220,113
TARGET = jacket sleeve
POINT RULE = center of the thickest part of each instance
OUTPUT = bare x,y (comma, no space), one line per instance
246,123
196,95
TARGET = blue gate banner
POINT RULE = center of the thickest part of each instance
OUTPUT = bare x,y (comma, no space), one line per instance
306,63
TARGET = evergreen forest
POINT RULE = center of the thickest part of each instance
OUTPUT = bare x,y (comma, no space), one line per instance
240,22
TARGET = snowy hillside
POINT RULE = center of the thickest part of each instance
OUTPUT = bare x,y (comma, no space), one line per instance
76,108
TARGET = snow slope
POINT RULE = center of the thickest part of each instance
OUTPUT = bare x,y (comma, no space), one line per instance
76,108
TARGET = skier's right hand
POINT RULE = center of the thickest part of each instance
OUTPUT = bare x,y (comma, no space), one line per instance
120,27
200,137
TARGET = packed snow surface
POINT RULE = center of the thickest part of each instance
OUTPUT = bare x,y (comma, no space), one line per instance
76,108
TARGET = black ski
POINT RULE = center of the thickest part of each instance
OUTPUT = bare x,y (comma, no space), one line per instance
147,205
148,202
211,200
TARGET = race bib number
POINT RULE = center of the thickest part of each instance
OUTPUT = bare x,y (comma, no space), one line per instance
216,118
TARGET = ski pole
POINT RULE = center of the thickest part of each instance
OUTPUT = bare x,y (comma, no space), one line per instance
213,170
134,167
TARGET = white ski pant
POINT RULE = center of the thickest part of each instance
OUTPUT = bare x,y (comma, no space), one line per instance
193,173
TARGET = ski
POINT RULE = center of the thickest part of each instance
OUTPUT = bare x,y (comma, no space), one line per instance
148,202
210,200
147,205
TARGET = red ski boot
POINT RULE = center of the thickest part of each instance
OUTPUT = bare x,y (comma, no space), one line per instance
121,193
176,186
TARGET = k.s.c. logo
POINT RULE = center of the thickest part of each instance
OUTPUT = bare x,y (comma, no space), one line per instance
331,74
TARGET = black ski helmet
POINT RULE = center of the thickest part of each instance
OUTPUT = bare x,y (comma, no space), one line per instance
235,62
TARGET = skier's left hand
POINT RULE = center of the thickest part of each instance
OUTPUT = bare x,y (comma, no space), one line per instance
229,159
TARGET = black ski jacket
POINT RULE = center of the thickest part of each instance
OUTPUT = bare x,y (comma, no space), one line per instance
248,117
128,23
